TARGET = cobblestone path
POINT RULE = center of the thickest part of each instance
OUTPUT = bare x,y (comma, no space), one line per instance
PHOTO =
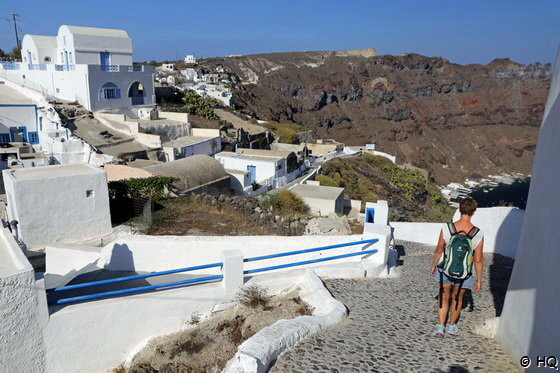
390,321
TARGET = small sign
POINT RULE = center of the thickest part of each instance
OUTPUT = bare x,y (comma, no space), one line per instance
370,146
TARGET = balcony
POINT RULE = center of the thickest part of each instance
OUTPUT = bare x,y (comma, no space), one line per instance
135,68
110,68
64,67
10,65
37,66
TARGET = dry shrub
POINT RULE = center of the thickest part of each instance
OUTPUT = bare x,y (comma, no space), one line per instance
285,203
191,346
119,369
195,319
304,309
253,296
233,328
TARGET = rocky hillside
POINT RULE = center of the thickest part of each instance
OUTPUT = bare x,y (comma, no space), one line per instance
454,120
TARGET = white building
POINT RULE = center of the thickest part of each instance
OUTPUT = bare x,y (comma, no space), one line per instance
90,65
528,325
169,67
322,200
266,167
202,141
189,58
62,203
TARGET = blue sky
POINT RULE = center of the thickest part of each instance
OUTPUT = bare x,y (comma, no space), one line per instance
463,31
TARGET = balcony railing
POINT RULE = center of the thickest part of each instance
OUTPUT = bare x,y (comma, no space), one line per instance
37,66
10,66
110,68
64,67
136,68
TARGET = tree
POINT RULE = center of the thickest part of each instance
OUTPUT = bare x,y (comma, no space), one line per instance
197,105
15,54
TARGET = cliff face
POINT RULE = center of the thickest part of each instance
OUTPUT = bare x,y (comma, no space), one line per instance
454,120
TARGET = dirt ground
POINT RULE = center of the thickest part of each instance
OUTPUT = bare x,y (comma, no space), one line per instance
188,217
207,345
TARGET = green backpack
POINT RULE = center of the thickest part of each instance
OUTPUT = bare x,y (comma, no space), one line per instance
457,258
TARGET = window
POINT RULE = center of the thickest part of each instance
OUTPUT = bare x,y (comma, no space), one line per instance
4,137
89,193
110,91
33,137
47,59
70,58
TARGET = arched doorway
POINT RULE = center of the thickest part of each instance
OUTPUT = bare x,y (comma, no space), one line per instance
136,93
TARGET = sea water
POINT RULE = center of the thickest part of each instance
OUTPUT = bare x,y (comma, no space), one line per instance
514,194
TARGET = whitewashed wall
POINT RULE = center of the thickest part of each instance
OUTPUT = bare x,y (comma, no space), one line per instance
159,253
265,169
529,322
18,115
51,205
501,226
23,312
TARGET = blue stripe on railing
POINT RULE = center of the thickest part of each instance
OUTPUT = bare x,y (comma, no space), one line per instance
134,277
309,261
255,258
136,290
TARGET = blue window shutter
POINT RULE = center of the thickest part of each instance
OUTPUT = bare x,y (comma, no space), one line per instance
117,93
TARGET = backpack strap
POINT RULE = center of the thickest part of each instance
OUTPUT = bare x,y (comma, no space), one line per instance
452,229
473,232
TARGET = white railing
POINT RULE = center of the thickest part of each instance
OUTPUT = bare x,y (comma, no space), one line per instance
37,66
10,65
135,68
64,67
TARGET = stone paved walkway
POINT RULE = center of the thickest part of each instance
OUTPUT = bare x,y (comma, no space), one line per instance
390,321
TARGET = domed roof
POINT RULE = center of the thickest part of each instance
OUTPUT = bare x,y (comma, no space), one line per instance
191,172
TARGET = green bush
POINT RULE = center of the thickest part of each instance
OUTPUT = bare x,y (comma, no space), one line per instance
153,187
201,106
284,203
326,181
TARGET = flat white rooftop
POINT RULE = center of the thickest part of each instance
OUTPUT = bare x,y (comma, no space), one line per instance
9,95
317,191
36,173
189,140
249,156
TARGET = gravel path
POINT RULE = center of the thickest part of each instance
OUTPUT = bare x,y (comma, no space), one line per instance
390,321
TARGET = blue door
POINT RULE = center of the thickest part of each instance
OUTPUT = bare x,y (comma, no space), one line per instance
18,134
105,58
65,57
253,173
370,214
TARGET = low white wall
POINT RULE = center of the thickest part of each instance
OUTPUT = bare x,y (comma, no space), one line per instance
23,311
205,132
390,157
179,117
501,226
151,141
99,335
91,337
159,253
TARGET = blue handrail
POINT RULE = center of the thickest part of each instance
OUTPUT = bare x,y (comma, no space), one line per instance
136,290
134,277
255,258
309,261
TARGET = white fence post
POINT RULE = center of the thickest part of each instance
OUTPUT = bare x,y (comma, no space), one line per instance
233,272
